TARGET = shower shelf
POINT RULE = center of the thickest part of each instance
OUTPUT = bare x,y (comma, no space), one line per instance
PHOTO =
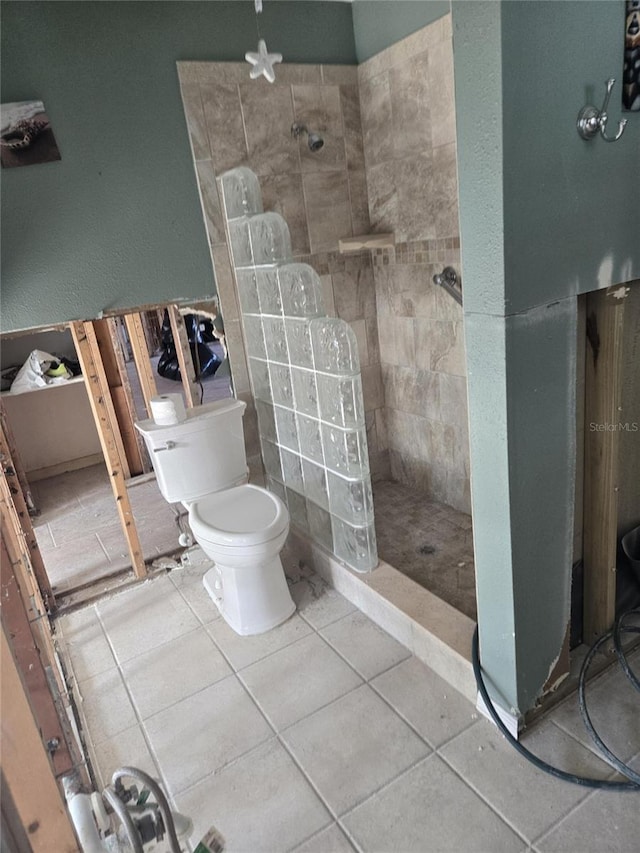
366,241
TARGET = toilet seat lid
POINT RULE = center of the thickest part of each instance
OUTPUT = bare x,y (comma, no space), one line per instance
243,515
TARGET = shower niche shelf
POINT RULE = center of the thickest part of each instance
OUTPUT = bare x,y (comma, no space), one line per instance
366,241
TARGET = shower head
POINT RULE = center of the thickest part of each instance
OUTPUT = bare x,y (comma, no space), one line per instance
314,140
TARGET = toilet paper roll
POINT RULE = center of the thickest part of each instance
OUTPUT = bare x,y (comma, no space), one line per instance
167,409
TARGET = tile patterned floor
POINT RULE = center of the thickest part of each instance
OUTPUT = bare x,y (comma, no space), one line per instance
430,542
79,532
326,734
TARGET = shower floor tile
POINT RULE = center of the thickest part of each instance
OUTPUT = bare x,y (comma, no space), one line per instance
430,542
79,532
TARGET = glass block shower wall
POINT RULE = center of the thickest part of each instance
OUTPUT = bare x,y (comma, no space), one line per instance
306,381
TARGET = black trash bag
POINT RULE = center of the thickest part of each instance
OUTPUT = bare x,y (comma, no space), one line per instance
628,571
168,363
72,365
205,361
208,360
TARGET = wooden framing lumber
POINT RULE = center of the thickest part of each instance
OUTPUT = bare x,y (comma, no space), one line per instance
118,381
103,382
603,392
17,460
26,768
138,341
89,356
17,514
21,580
33,662
183,351
14,541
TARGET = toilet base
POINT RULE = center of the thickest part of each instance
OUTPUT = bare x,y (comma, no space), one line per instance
251,599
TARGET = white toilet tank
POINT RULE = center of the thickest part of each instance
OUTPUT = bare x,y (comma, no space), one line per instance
201,455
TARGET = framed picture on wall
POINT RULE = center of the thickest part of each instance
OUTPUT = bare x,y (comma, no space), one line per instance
631,72
25,135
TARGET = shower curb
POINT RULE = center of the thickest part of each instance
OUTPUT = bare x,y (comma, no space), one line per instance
434,631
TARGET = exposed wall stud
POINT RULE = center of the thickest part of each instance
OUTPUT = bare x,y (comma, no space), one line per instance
15,494
88,354
140,351
26,767
120,390
183,351
603,376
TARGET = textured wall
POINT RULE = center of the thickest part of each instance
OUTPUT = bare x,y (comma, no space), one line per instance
408,120
544,216
115,223
322,195
377,24
579,228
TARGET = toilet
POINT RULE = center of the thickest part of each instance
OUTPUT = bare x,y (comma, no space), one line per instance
201,462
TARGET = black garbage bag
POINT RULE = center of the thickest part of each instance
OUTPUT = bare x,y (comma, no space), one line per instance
199,333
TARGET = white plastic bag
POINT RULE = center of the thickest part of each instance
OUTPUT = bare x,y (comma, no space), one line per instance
32,374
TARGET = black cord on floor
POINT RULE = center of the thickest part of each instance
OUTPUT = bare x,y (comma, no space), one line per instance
606,784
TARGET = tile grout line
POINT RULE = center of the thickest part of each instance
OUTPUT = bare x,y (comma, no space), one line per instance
478,793
273,728
140,722
385,785
73,687
476,719
101,543
588,745
590,795
279,734
411,725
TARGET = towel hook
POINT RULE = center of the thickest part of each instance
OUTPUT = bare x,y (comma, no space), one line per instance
592,120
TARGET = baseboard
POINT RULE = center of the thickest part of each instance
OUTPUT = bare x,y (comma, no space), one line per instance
63,467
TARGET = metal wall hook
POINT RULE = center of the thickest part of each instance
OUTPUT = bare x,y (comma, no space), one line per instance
591,120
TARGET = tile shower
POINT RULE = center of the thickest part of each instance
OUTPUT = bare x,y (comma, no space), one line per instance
388,164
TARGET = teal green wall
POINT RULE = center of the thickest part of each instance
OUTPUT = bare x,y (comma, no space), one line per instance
580,200
544,216
380,23
117,222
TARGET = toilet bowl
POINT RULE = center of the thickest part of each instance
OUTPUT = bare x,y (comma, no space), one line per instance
241,527
243,531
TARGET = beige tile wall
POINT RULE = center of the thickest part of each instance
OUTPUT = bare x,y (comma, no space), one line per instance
408,122
234,121
388,164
